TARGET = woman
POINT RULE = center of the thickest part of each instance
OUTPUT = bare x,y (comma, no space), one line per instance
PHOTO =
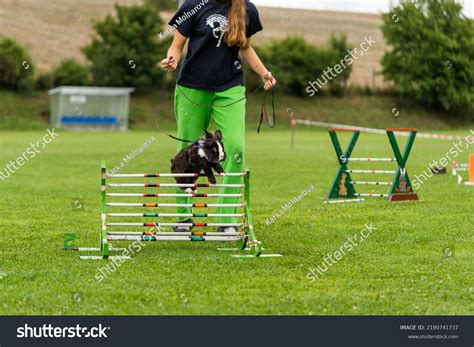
211,74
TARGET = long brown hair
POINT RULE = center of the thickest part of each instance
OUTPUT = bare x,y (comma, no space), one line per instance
236,33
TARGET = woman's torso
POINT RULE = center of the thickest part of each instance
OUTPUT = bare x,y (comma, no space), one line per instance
210,64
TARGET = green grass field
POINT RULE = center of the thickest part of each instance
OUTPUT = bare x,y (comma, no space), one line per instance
418,261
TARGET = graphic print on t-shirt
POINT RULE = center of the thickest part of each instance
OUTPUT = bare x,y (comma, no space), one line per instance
218,23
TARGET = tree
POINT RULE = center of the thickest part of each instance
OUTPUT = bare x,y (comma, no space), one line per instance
432,52
71,73
125,50
296,63
163,4
340,47
16,66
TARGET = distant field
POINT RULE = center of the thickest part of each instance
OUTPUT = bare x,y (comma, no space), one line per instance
57,29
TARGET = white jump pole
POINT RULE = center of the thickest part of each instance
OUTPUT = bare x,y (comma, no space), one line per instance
371,159
176,195
141,215
126,204
372,195
343,201
128,224
372,183
171,238
158,175
164,233
373,171
378,131
176,185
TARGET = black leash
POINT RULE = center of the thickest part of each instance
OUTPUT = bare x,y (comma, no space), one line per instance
271,122
213,105
177,138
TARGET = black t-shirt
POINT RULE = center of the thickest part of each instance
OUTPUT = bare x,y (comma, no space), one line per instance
210,64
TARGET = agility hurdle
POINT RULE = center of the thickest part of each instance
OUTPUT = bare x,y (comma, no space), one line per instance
111,219
469,167
343,187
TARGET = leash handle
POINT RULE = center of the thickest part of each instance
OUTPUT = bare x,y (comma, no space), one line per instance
264,111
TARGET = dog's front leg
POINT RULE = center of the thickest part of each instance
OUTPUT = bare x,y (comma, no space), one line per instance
210,175
218,168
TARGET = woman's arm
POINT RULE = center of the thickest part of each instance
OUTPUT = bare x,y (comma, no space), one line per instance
170,63
249,55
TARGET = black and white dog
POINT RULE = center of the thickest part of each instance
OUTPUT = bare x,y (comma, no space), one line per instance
205,155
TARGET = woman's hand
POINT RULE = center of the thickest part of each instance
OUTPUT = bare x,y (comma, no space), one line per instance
269,81
169,64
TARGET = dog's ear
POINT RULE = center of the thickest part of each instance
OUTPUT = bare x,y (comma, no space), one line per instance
218,136
208,136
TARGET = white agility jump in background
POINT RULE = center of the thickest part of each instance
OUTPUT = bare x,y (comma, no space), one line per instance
469,167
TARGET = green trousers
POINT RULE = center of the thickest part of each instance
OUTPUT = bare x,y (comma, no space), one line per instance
192,119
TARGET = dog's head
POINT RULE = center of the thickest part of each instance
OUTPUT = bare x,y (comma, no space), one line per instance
211,147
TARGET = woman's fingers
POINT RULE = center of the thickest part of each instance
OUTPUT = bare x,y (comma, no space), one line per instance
172,63
269,81
169,64
164,64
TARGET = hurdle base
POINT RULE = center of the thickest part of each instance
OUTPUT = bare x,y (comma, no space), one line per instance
99,257
96,250
259,255
403,197
262,255
343,201
91,249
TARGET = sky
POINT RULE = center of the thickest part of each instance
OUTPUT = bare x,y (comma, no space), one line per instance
370,6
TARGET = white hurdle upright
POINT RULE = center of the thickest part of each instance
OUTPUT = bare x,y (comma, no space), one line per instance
455,167
466,167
